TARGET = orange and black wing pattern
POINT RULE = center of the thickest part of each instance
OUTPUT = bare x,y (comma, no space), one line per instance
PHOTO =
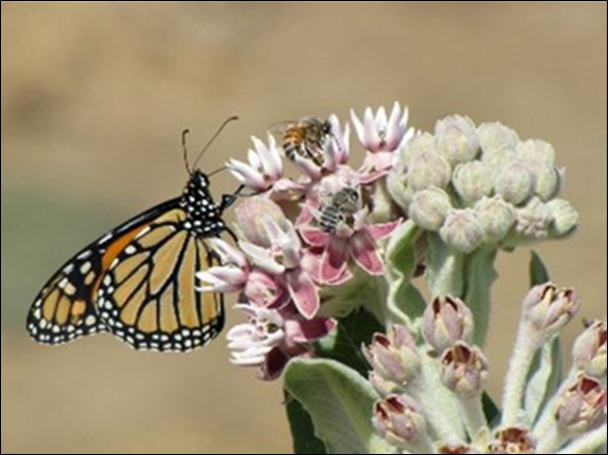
148,296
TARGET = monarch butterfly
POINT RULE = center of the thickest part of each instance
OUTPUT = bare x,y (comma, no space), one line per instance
138,281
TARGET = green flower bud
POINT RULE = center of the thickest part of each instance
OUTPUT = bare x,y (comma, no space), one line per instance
537,150
457,139
498,144
422,144
546,179
473,181
399,190
497,218
515,183
463,231
430,209
428,170
564,218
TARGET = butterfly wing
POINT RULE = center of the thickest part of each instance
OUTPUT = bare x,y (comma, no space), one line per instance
148,296
66,309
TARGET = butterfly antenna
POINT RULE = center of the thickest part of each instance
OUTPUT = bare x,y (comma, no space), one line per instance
185,134
213,139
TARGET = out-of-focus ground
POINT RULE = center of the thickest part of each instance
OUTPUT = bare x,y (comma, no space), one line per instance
94,96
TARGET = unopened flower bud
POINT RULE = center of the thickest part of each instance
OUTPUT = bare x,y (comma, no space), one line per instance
394,356
457,139
564,218
549,309
399,420
430,209
463,231
497,217
534,220
498,144
250,216
421,144
513,440
515,183
399,190
465,370
537,150
547,181
428,170
447,321
590,350
582,407
473,181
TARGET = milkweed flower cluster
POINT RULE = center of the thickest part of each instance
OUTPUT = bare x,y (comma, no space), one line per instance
325,270
482,185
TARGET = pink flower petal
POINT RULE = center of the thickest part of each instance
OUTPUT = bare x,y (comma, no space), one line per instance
382,231
335,260
274,365
314,237
300,332
364,252
304,293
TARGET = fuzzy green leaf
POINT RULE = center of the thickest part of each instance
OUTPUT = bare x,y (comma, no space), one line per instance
303,430
405,302
341,405
539,273
345,344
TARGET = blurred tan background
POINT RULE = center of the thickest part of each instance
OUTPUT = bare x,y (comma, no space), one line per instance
95,95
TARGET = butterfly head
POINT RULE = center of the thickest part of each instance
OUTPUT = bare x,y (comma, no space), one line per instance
204,215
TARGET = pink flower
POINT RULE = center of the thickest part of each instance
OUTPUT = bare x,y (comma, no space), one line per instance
270,339
237,275
357,242
382,136
284,260
379,133
265,166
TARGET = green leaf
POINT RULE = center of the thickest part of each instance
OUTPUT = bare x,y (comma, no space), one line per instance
345,344
405,302
341,404
362,291
480,275
303,430
538,271
491,410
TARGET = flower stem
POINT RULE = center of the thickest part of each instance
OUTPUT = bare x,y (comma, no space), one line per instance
589,443
552,440
547,419
445,269
526,347
480,276
475,420
438,404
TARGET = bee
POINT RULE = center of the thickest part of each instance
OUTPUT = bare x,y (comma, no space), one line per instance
341,208
306,139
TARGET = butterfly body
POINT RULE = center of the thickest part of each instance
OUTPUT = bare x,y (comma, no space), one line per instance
138,281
